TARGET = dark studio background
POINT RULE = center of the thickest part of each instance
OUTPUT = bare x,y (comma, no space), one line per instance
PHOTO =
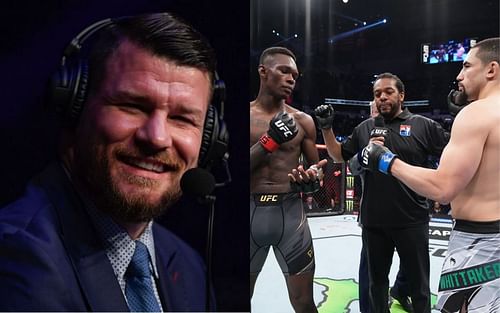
33,34
345,68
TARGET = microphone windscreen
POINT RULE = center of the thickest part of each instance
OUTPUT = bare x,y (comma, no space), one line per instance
197,182
379,121
379,130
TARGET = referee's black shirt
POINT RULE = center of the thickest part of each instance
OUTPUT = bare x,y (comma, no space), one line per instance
387,201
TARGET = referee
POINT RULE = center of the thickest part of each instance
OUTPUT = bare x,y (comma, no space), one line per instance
393,216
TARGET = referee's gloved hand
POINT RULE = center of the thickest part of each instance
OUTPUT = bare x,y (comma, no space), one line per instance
324,116
282,128
457,100
376,157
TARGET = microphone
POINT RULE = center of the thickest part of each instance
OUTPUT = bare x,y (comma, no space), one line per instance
200,183
197,182
379,130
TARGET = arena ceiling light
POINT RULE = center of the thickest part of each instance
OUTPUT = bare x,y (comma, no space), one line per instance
343,35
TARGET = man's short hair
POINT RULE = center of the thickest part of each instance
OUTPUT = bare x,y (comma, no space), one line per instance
488,50
276,50
162,34
399,83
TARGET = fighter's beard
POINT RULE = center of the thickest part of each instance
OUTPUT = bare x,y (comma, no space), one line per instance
104,191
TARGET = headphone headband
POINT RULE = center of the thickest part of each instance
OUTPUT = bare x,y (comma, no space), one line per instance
76,43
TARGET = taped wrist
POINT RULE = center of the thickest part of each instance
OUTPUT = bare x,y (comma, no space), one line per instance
268,143
318,170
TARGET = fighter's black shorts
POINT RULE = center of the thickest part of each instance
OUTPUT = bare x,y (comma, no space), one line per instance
279,220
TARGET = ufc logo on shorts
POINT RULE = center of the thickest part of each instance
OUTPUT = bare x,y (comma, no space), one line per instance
268,198
281,126
310,253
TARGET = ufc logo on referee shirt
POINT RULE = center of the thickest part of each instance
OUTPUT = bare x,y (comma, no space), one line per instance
376,132
283,127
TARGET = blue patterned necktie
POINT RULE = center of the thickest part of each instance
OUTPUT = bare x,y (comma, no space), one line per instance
139,286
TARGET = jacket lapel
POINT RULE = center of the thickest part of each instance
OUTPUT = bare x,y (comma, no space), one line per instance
94,272
99,283
173,292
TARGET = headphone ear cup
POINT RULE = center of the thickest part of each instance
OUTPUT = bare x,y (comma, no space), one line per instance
79,95
68,91
58,94
219,95
214,140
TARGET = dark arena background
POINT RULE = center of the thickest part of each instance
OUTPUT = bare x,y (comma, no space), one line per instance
33,35
341,45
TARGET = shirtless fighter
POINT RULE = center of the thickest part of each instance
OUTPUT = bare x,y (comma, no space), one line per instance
469,176
279,134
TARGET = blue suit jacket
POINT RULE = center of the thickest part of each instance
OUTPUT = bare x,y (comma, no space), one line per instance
51,258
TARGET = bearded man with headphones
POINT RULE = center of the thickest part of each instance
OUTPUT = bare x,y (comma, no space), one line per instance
137,113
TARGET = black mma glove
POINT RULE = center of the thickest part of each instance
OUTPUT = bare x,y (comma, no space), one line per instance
310,186
457,100
355,166
282,128
324,115
376,157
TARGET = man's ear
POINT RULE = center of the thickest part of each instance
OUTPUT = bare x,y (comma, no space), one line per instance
402,96
262,70
493,70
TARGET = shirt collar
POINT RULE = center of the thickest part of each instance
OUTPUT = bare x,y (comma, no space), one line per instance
119,246
404,115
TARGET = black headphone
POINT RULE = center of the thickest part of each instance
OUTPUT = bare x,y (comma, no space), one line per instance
68,93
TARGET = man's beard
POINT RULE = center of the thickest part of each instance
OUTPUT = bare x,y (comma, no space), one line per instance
392,112
104,189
